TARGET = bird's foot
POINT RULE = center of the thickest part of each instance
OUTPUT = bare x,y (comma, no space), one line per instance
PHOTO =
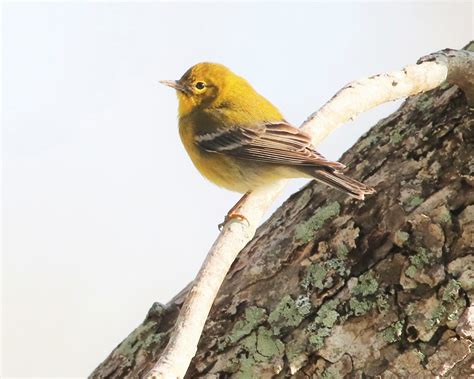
230,217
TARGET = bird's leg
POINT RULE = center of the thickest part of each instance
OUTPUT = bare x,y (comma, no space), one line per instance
232,214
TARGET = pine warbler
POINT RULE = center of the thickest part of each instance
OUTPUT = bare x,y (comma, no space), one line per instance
239,140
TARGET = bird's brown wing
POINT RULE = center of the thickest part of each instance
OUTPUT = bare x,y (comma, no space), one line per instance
277,143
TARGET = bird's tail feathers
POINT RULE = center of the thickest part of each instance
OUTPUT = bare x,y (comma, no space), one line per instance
343,183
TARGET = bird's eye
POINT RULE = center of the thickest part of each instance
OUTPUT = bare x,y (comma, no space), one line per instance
200,85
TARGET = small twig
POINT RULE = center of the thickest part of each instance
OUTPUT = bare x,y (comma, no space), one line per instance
353,99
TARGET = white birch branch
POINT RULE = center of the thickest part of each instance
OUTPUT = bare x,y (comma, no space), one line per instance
353,99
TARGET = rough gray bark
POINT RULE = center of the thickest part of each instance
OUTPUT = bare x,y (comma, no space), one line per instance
332,287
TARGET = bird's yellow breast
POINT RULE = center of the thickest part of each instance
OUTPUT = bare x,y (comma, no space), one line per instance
217,168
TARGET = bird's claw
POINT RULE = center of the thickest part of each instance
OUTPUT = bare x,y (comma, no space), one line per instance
232,217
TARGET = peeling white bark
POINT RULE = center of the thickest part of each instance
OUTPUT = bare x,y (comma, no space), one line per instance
362,95
350,101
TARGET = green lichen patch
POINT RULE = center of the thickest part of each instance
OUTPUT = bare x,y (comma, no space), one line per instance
289,313
260,347
443,216
256,350
455,309
393,332
396,137
436,317
253,317
453,301
325,319
153,339
411,271
314,277
451,291
366,285
305,232
245,366
400,238
141,336
327,314
413,201
245,362
317,338
338,265
382,302
418,261
331,373
421,258
360,307
316,273
367,141
303,304
362,300
450,308
267,345
342,251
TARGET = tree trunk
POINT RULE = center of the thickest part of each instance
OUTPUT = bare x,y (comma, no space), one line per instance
334,287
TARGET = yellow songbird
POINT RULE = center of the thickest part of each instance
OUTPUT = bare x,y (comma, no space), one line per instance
239,140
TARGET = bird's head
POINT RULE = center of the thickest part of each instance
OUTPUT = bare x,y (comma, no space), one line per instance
208,85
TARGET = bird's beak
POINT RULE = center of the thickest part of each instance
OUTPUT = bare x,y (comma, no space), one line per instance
175,84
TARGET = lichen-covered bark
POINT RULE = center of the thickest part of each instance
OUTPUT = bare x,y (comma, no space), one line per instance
333,287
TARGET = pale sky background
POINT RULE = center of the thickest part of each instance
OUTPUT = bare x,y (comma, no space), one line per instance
103,213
